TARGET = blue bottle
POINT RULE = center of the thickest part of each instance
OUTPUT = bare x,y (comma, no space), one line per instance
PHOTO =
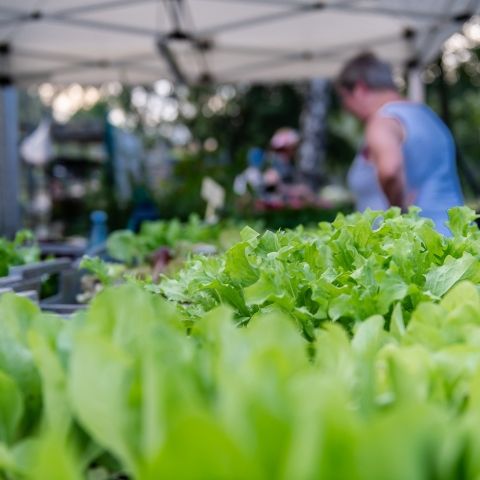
98,229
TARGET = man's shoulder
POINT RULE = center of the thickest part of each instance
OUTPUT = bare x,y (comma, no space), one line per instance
380,126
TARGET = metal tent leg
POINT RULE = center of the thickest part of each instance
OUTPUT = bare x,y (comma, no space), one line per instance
9,166
314,124
416,87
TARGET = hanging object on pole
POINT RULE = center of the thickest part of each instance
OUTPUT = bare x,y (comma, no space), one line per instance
36,149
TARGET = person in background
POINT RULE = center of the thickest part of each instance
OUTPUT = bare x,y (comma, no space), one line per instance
408,154
282,178
284,145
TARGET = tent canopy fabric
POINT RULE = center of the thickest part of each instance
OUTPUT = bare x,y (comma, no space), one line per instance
140,41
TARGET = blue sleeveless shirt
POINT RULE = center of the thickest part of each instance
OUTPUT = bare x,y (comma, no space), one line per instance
429,161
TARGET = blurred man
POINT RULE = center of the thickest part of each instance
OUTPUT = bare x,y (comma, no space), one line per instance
284,145
408,154
283,178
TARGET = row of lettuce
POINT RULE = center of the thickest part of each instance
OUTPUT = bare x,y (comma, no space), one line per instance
350,351
19,251
345,271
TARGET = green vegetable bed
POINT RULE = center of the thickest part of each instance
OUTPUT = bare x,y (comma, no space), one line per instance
147,388
359,265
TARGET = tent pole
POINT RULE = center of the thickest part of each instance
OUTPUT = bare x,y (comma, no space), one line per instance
314,124
9,166
443,95
468,174
416,88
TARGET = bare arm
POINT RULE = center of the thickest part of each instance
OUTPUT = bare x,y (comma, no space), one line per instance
384,140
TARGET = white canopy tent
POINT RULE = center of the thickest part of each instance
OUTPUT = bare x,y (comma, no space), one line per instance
189,41
139,41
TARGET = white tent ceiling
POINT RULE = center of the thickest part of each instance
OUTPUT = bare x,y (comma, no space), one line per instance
139,41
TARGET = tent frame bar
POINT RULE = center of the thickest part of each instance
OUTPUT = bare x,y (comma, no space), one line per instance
9,164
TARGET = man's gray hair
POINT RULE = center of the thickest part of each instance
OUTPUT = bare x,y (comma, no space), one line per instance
368,69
